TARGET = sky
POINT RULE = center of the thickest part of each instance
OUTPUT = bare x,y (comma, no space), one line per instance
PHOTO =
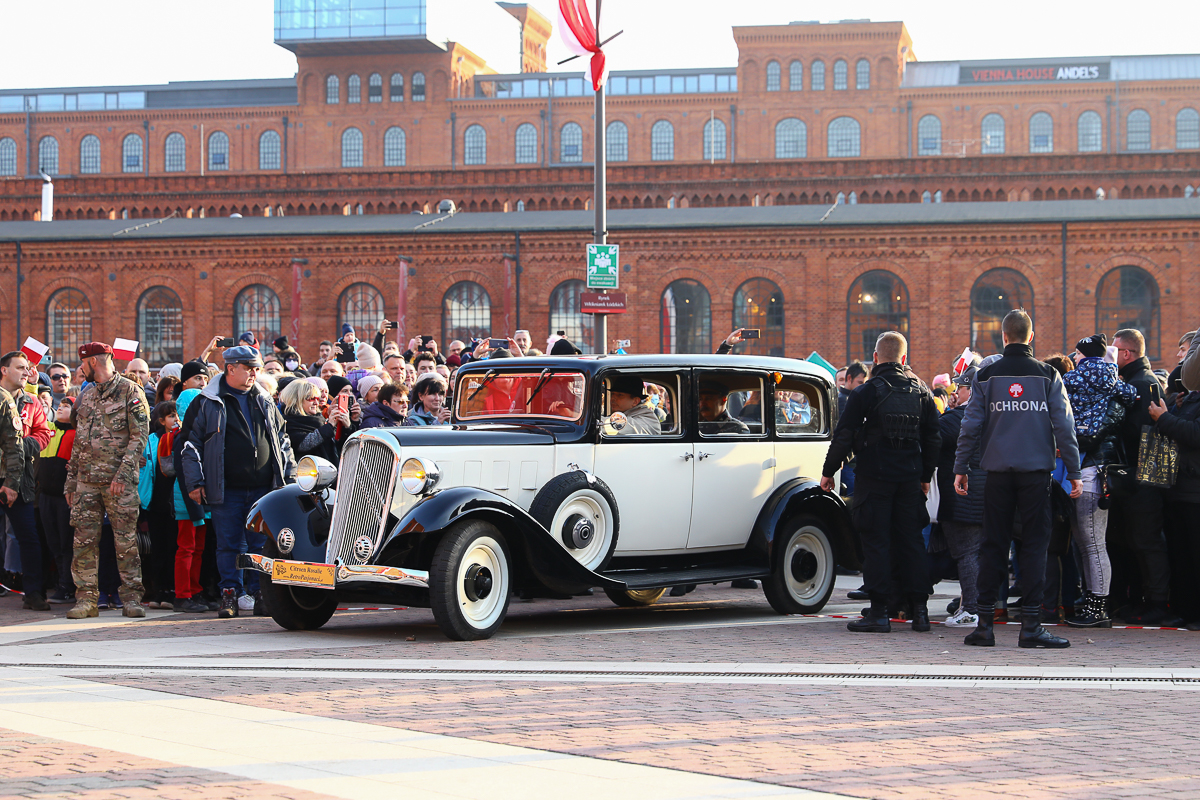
65,43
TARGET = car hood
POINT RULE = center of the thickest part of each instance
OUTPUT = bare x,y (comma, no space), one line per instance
445,436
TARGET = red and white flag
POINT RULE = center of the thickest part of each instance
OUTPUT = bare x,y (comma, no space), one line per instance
34,350
579,34
125,349
963,362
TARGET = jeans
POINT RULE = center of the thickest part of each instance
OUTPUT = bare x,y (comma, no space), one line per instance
60,536
1006,494
234,538
1088,528
964,542
888,517
30,546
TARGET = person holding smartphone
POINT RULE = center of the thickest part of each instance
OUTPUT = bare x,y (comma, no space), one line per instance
429,395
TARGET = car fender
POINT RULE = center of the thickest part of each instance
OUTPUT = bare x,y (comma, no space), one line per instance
537,555
805,495
306,516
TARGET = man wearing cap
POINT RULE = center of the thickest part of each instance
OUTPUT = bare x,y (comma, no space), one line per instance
236,451
714,410
626,394
112,424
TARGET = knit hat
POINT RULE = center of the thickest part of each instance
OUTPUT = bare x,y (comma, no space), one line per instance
1093,346
453,361
336,383
563,347
191,369
281,343
367,383
172,370
248,338
367,356
347,328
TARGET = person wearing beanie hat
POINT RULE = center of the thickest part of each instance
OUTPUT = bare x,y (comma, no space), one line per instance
368,387
248,338
281,344
171,370
347,328
336,384
1093,346
193,375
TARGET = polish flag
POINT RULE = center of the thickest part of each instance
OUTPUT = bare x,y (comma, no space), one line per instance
581,36
34,350
963,362
125,349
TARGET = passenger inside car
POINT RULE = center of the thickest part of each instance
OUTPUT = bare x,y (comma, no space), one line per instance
627,395
714,411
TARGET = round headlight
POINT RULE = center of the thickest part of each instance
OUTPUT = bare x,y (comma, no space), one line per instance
314,474
419,475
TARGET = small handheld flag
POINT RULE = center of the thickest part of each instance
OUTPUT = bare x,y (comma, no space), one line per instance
34,350
963,362
125,349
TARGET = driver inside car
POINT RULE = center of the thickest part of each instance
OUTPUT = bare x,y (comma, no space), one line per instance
627,394
714,411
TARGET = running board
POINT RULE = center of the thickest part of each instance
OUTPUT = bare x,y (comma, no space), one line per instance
659,579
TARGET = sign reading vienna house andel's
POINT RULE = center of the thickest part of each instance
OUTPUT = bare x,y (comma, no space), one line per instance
1032,73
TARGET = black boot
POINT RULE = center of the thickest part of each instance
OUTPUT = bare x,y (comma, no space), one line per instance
874,620
35,602
1034,635
920,613
982,636
1090,613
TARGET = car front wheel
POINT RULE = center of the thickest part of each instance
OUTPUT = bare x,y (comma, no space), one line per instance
471,580
802,578
296,608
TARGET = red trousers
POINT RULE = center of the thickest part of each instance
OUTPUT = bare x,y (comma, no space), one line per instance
188,555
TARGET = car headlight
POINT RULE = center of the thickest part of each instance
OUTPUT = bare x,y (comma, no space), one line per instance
314,474
419,475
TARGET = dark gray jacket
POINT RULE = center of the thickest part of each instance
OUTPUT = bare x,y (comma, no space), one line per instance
204,450
1019,414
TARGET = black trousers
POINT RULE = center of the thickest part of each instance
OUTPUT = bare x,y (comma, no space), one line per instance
889,517
1006,495
1183,543
60,536
1140,517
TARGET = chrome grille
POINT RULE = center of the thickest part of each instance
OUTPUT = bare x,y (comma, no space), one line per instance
366,480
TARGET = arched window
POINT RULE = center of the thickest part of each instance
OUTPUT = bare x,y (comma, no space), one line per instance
175,153
353,89
1127,297
475,145
791,139
1137,130
394,144
796,76
89,155
686,318
48,155
418,87
526,144
352,148
570,143
360,305
862,74
565,315
926,197
269,151
758,303
877,303
844,138
397,91
992,132
218,151
131,153
818,76
1187,129
995,293
773,76
256,309
68,322
714,140
929,136
1091,132
8,156
617,141
466,312
331,90
840,75
375,88
1041,133
160,326
662,141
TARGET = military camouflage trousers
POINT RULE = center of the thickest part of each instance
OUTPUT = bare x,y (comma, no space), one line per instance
87,515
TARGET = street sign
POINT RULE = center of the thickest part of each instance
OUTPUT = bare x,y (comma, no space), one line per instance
603,268
596,303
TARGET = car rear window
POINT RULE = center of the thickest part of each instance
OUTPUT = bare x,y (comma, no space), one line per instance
546,394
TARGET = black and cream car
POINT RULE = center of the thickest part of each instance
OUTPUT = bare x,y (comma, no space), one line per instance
541,487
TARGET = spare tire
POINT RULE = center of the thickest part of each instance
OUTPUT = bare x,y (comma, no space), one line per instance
581,514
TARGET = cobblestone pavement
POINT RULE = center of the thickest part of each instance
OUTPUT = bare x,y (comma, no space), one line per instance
901,740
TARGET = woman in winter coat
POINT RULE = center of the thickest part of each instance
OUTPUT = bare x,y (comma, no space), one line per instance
1092,387
961,518
307,429
1181,513
390,409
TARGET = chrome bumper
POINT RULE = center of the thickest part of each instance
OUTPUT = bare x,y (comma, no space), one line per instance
348,574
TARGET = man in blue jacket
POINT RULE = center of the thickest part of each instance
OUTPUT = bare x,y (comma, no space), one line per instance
1020,416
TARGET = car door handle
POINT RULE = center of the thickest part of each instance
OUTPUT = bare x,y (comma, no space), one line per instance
703,456
687,456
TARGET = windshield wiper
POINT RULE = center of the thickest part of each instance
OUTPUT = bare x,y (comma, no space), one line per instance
488,378
542,381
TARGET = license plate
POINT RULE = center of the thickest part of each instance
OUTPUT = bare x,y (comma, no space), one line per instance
302,573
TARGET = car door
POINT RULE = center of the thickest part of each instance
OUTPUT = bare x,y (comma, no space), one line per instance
735,460
650,475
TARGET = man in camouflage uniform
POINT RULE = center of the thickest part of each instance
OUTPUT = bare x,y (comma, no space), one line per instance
12,453
111,427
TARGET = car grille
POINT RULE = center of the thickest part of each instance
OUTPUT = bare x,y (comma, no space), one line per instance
366,480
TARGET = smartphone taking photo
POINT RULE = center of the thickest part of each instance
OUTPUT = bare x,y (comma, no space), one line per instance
497,344
751,333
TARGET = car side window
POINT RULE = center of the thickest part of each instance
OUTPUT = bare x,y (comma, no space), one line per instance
730,404
640,406
798,408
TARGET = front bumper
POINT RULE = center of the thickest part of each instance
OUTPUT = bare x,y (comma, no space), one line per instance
347,574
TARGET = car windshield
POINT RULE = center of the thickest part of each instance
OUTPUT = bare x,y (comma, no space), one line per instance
558,395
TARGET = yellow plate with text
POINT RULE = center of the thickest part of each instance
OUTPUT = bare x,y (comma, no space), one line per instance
302,573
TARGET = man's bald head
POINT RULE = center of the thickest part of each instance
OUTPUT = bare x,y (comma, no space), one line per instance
891,347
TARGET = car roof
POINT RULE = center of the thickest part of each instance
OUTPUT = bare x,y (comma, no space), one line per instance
593,365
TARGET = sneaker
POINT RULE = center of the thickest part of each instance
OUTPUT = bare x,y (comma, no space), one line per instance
61,598
260,607
953,606
229,604
192,605
246,603
213,605
961,619
102,603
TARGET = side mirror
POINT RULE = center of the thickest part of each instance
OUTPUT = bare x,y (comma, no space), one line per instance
615,422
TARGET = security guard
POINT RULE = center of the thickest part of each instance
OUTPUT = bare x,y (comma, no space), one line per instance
111,427
891,425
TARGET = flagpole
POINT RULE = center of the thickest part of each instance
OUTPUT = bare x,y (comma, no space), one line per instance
600,199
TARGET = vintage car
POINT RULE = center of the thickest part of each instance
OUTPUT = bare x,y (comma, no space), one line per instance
551,481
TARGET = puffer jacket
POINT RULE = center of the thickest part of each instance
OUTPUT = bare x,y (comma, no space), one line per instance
204,450
1182,425
963,510
1089,388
